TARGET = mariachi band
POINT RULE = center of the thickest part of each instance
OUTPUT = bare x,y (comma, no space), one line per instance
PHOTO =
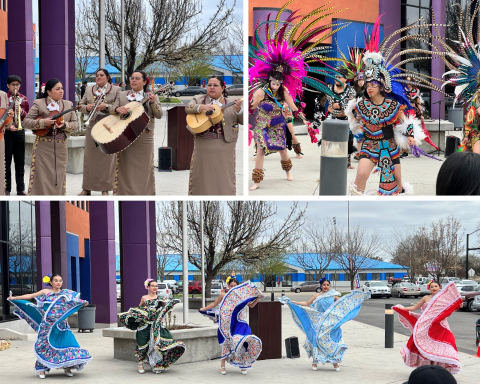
119,142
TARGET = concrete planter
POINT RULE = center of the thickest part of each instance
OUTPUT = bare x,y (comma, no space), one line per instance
201,343
432,128
76,151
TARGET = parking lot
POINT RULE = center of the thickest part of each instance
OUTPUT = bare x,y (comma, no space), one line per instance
462,323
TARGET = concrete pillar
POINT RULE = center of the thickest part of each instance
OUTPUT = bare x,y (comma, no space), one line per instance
59,240
392,18
102,256
43,241
71,50
136,261
54,19
86,273
153,237
437,65
20,46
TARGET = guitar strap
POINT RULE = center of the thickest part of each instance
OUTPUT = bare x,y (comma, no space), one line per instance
205,103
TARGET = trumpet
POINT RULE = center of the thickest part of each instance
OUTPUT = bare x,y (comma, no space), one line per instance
17,108
94,112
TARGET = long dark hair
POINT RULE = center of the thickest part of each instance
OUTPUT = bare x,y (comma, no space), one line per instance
323,279
49,86
144,77
458,175
222,84
277,76
109,78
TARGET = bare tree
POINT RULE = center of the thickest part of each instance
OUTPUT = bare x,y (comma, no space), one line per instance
231,48
170,31
234,231
357,250
84,57
317,245
164,256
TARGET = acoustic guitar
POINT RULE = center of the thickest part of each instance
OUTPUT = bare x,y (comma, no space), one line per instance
200,122
54,115
5,119
115,133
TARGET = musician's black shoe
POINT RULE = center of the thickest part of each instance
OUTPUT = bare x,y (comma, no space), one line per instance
21,193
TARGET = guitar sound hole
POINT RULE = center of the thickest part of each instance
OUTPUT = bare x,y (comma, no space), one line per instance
125,116
208,113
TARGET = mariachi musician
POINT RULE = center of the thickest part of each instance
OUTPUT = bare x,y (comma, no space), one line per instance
212,169
3,105
51,148
98,168
134,174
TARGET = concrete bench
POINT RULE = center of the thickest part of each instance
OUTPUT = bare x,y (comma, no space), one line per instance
76,151
201,343
432,128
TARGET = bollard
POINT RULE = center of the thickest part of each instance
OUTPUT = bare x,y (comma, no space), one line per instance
283,292
389,318
272,296
333,163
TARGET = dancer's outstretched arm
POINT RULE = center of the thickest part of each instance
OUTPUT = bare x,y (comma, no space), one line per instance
214,304
416,306
307,303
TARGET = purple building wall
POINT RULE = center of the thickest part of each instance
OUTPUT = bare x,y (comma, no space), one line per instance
43,240
136,260
438,67
391,19
20,45
102,256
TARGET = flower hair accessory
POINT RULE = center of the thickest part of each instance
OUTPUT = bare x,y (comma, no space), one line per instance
46,280
232,276
428,284
148,80
146,283
322,280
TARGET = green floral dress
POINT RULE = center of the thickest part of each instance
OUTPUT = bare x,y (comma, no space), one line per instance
155,344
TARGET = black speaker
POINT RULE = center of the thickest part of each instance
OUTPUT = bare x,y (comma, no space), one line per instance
291,345
164,159
451,145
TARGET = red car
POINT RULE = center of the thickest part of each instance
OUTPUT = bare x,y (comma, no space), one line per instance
195,287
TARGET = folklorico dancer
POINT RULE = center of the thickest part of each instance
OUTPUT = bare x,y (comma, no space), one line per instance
380,115
239,347
155,344
320,319
212,168
51,148
279,70
55,346
463,62
4,104
432,342
15,137
134,171
98,168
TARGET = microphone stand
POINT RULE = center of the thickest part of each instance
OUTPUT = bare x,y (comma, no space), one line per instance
55,151
439,102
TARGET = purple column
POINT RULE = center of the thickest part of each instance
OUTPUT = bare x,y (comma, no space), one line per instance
59,240
136,263
391,19
102,256
43,241
437,66
71,50
20,45
153,237
54,46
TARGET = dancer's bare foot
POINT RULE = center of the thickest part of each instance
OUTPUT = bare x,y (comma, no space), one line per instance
105,193
289,176
41,374
336,367
254,186
314,366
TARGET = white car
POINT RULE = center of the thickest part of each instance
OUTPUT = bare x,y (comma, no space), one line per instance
118,290
216,288
173,285
377,288
165,291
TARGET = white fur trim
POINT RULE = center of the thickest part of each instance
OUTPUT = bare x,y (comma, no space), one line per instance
400,132
355,125
354,191
451,72
408,189
372,55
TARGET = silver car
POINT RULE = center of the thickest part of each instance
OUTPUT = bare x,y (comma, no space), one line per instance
377,288
404,289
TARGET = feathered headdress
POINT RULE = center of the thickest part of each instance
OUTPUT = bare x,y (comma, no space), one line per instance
464,63
378,58
285,50
354,63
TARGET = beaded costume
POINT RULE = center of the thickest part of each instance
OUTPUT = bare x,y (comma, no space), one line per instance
154,342
432,341
321,323
55,346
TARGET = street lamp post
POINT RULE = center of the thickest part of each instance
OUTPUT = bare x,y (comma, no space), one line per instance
185,261
123,43
101,34
469,249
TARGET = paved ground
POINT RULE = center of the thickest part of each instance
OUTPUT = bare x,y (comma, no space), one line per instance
420,172
461,322
173,183
366,362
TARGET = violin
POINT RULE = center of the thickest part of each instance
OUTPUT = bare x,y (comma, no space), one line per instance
54,115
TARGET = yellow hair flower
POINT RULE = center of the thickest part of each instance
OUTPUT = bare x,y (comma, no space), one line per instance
46,279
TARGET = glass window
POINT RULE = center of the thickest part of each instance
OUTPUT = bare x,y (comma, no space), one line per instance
413,2
286,280
362,276
378,284
375,276
309,277
14,221
426,3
